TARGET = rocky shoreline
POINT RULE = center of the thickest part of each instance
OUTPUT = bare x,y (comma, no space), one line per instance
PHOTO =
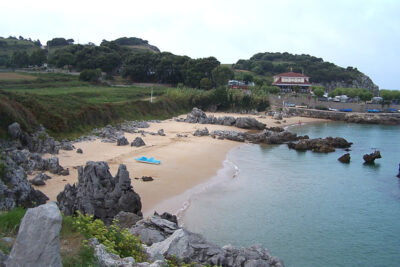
367,118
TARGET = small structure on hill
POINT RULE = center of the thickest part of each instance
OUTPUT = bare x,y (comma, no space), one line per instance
243,85
292,81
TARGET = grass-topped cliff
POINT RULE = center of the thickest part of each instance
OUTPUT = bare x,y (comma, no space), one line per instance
67,107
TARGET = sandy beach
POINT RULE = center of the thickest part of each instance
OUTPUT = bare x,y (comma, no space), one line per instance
185,161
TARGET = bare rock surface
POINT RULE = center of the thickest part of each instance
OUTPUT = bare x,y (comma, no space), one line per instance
100,194
138,142
38,243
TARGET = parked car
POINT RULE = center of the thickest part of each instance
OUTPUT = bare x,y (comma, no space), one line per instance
391,110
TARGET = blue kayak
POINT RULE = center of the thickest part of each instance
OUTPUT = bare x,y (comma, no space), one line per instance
373,111
148,160
345,110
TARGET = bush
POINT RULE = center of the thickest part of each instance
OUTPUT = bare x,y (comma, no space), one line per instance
117,241
90,75
10,220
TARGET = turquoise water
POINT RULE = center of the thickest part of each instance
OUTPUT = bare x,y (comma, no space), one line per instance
307,208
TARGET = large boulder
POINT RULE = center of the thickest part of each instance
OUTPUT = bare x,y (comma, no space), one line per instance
14,130
370,158
201,132
122,141
196,116
39,179
38,243
249,123
100,194
138,142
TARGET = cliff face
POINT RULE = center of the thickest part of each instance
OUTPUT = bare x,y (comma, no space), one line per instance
362,81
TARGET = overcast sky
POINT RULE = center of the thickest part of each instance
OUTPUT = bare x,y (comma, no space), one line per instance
363,34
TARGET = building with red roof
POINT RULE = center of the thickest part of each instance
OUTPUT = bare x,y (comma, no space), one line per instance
289,81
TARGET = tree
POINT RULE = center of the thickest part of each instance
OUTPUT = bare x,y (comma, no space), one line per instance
319,92
19,59
38,57
247,78
90,75
221,75
205,83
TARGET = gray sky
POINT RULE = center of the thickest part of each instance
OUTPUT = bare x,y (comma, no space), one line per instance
363,34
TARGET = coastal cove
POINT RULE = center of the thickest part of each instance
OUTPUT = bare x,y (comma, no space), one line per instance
308,208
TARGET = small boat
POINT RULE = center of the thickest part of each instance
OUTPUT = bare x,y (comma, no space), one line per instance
148,160
345,110
373,111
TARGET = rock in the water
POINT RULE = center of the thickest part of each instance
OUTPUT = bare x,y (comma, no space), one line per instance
370,158
161,132
320,145
122,141
203,132
79,150
100,194
138,142
345,158
126,219
14,130
38,242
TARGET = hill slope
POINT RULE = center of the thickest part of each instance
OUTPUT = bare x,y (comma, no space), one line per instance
320,72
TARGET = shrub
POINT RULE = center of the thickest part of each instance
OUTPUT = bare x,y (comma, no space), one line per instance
10,220
117,241
90,75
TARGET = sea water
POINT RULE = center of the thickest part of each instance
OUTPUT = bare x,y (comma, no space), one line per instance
308,208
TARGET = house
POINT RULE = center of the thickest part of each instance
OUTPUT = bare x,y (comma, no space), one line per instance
290,81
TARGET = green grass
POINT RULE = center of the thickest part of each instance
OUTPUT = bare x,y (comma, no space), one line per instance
10,221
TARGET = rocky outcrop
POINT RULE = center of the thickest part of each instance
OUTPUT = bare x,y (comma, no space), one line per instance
100,194
154,229
354,117
370,158
126,219
138,142
201,132
106,259
361,81
190,247
40,179
198,116
14,130
345,158
108,134
165,240
320,145
38,243
122,141
15,190
265,137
